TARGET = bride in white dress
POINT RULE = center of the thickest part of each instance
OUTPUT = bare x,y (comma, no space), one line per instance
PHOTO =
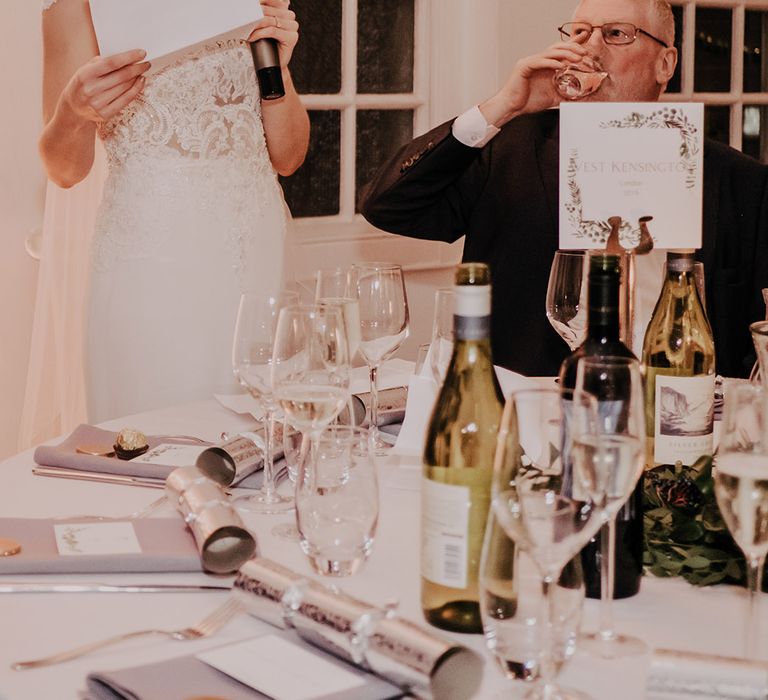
192,213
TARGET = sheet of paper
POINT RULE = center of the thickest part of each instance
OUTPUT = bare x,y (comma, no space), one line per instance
631,159
268,664
77,539
171,455
168,28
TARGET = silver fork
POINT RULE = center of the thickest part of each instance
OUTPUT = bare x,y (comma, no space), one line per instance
205,628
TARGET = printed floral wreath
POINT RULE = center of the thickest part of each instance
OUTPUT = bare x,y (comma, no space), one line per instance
665,118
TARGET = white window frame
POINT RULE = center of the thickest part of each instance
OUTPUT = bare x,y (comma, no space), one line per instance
736,98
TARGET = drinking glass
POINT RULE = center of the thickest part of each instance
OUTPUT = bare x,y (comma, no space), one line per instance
510,606
339,287
251,363
533,510
383,325
567,296
607,463
741,489
337,508
580,79
441,347
759,331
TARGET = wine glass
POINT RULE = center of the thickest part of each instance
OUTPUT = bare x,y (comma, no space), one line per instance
741,488
441,347
567,296
607,464
339,287
383,325
251,360
310,372
531,506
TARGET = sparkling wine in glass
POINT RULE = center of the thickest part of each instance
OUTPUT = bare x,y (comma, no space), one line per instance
251,363
579,80
567,296
383,325
741,489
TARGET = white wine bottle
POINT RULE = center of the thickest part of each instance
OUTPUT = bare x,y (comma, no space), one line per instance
679,360
458,462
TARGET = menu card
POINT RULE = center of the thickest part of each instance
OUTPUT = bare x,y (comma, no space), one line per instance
633,160
169,28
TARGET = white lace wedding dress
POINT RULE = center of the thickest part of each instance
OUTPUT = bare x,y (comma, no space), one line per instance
191,215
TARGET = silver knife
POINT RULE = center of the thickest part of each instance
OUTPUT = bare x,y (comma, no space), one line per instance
101,477
87,587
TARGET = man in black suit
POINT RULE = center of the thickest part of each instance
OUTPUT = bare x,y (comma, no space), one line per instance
492,175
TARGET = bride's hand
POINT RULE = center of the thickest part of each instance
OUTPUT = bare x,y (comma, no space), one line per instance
102,87
278,23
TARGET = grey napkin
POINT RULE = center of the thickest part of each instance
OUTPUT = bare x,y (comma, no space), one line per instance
186,677
166,544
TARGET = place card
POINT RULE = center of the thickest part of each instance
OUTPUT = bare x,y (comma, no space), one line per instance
82,539
171,455
168,28
633,160
268,664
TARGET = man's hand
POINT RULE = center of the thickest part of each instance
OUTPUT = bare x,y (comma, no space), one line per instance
530,87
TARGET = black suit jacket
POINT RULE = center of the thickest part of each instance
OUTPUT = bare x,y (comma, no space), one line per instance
504,198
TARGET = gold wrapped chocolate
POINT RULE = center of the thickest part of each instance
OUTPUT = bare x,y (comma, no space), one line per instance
130,443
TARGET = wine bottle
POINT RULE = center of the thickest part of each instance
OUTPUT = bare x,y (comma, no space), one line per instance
679,359
458,462
603,340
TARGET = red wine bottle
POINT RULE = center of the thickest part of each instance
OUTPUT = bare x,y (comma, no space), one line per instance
603,340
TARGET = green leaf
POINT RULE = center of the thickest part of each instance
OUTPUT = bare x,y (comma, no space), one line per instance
689,531
696,562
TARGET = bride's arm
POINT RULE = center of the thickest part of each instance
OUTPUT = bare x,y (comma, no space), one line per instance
80,89
286,123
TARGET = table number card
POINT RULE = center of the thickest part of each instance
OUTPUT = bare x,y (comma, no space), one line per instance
82,539
168,28
631,159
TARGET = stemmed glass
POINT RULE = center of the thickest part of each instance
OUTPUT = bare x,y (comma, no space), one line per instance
607,463
741,488
251,361
339,287
533,510
441,347
567,296
310,371
383,325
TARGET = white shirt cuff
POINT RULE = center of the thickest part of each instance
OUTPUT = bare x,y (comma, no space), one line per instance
472,130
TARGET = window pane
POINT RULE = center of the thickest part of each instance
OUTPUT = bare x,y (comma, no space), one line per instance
717,123
313,190
674,84
385,46
755,132
380,132
316,61
712,70
755,51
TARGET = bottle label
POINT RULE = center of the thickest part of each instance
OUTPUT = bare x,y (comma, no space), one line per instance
683,417
444,533
472,327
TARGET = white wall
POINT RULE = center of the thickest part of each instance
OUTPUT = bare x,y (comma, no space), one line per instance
21,201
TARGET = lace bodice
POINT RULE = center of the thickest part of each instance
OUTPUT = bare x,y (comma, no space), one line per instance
202,106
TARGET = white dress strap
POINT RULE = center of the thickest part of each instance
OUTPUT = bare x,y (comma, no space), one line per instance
47,4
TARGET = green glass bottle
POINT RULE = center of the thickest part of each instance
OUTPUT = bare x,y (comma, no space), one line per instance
679,360
458,462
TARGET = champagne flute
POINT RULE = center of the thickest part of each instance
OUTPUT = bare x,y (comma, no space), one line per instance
530,505
383,325
251,360
441,347
310,372
567,296
607,464
741,489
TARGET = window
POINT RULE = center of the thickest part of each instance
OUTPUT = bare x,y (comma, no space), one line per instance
362,79
723,47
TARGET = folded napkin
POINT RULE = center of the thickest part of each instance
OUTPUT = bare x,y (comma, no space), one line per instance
65,454
166,545
186,677
679,675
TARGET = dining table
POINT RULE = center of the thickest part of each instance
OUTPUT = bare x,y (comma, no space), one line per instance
667,613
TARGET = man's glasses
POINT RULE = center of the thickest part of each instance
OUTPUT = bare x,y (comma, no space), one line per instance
613,32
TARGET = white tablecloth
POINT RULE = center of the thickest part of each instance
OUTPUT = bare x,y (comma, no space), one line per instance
666,613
